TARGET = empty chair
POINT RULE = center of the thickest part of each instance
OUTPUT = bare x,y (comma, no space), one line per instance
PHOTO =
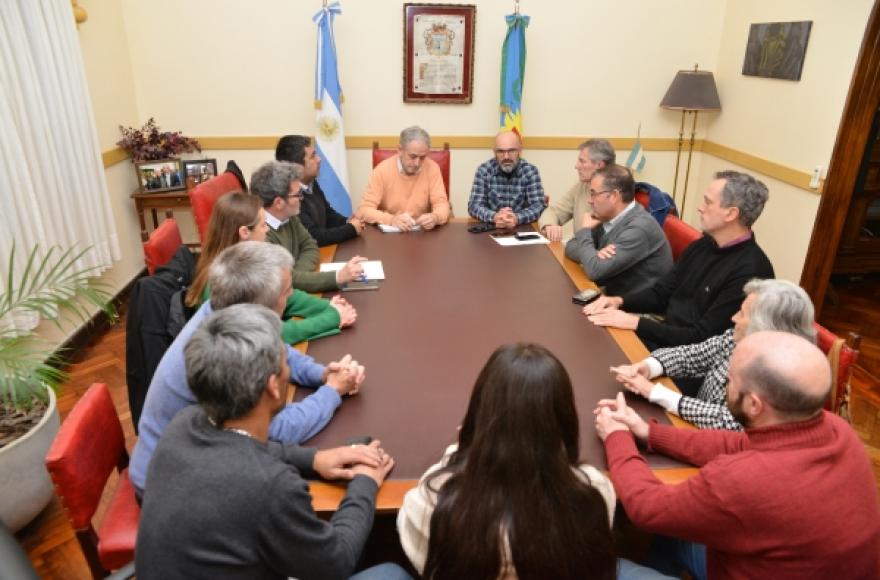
161,245
88,447
842,355
203,196
440,156
680,235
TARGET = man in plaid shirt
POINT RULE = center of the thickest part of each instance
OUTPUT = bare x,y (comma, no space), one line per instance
507,190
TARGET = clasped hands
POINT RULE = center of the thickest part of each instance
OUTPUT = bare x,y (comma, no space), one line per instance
347,313
635,378
346,462
505,218
615,415
405,222
345,376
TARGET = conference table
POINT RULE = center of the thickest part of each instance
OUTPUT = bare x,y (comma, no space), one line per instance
448,300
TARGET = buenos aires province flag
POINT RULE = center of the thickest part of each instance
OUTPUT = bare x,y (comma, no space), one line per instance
513,71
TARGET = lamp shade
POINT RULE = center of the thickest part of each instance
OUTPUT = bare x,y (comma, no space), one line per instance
692,90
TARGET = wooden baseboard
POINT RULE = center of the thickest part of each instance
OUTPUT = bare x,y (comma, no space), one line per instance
97,325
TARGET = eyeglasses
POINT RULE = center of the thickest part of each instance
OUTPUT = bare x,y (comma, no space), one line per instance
297,195
506,152
593,194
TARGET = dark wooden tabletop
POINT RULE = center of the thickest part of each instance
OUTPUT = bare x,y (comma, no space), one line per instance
449,299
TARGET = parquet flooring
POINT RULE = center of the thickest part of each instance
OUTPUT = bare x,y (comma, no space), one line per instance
49,539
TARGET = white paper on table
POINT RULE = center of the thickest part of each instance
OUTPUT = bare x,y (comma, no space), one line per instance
373,269
395,230
512,241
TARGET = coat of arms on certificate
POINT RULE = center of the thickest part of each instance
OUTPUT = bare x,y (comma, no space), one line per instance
438,53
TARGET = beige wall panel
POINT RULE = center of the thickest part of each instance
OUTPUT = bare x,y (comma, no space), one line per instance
788,122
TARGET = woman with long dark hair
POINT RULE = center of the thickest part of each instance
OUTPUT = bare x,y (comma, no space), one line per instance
238,217
511,499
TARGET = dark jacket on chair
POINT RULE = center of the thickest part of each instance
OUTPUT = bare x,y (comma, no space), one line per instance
147,335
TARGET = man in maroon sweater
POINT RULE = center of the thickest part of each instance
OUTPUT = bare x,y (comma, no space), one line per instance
791,497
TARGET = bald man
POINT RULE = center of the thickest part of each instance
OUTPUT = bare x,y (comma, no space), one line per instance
507,190
791,497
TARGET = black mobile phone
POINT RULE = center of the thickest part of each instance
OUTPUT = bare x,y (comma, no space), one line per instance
359,440
584,297
481,227
523,236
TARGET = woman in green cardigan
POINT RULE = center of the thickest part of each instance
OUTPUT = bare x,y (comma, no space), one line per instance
238,217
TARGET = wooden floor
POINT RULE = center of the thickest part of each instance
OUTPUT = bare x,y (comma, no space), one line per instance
50,542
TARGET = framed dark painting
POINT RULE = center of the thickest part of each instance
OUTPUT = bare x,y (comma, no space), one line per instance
776,50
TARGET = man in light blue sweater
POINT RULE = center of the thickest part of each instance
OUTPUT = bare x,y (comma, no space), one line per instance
248,272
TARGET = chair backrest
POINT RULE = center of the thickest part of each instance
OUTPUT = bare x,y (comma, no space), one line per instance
841,356
440,156
161,245
680,235
88,447
203,196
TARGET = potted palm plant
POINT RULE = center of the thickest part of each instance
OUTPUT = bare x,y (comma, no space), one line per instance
50,285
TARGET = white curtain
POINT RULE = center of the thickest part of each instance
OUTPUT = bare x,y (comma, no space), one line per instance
52,188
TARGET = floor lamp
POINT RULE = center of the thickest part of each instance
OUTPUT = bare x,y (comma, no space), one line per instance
691,91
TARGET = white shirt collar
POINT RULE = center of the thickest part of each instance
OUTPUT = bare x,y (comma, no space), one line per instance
274,222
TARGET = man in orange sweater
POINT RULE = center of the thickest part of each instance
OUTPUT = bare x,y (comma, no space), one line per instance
407,190
793,496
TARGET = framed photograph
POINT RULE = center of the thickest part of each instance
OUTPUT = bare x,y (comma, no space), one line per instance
776,50
196,171
438,53
159,175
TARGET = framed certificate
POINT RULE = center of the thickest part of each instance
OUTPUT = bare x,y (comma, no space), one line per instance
438,53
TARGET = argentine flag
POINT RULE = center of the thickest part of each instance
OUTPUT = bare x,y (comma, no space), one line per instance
513,72
636,160
329,135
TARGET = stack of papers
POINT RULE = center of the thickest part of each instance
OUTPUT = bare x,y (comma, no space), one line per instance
373,269
512,241
395,230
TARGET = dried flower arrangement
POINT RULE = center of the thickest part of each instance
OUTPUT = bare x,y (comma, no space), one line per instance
149,142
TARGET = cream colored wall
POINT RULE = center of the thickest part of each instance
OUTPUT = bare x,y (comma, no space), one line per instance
223,67
792,123
787,122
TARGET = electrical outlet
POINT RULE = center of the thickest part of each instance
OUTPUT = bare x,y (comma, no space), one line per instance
814,178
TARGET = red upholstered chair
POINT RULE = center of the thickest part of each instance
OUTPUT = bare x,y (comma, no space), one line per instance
842,355
441,156
642,197
162,243
203,196
680,235
89,445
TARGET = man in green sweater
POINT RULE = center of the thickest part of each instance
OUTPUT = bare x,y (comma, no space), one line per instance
278,184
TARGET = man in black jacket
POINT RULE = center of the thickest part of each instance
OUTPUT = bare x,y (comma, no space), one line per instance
325,224
704,289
